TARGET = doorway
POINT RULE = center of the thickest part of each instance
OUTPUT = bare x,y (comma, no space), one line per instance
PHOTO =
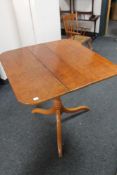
111,27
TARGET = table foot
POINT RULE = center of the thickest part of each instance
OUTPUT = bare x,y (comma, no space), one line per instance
44,111
58,109
77,109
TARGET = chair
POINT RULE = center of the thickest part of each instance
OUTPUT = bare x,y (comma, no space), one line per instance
72,29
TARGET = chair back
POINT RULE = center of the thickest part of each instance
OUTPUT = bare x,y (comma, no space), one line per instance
70,24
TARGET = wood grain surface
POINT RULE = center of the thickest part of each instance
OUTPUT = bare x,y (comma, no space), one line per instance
42,72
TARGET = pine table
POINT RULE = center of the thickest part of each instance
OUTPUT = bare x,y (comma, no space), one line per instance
47,71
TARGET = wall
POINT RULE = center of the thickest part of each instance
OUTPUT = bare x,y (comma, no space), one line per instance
24,21
47,27
27,22
85,5
9,36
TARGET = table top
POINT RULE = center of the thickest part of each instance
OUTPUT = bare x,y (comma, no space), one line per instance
42,72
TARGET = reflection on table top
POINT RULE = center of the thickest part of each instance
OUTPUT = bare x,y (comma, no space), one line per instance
41,72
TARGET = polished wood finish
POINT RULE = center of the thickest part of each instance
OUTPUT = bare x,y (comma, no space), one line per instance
72,64
58,109
47,71
72,28
29,78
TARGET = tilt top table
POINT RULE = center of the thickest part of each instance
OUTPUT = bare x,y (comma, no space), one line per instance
47,71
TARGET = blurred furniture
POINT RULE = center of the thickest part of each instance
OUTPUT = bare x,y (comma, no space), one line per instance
82,15
74,31
114,10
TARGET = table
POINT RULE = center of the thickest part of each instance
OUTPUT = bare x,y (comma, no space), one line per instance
47,71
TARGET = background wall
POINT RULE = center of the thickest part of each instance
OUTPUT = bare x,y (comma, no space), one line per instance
24,23
46,18
27,22
9,35
85,5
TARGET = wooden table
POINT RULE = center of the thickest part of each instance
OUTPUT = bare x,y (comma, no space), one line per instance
47,71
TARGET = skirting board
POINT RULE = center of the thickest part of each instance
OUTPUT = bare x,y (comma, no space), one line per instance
2,82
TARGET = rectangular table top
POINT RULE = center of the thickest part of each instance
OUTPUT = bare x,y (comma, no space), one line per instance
42,72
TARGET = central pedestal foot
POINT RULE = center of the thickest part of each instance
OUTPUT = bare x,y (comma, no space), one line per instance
58,109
